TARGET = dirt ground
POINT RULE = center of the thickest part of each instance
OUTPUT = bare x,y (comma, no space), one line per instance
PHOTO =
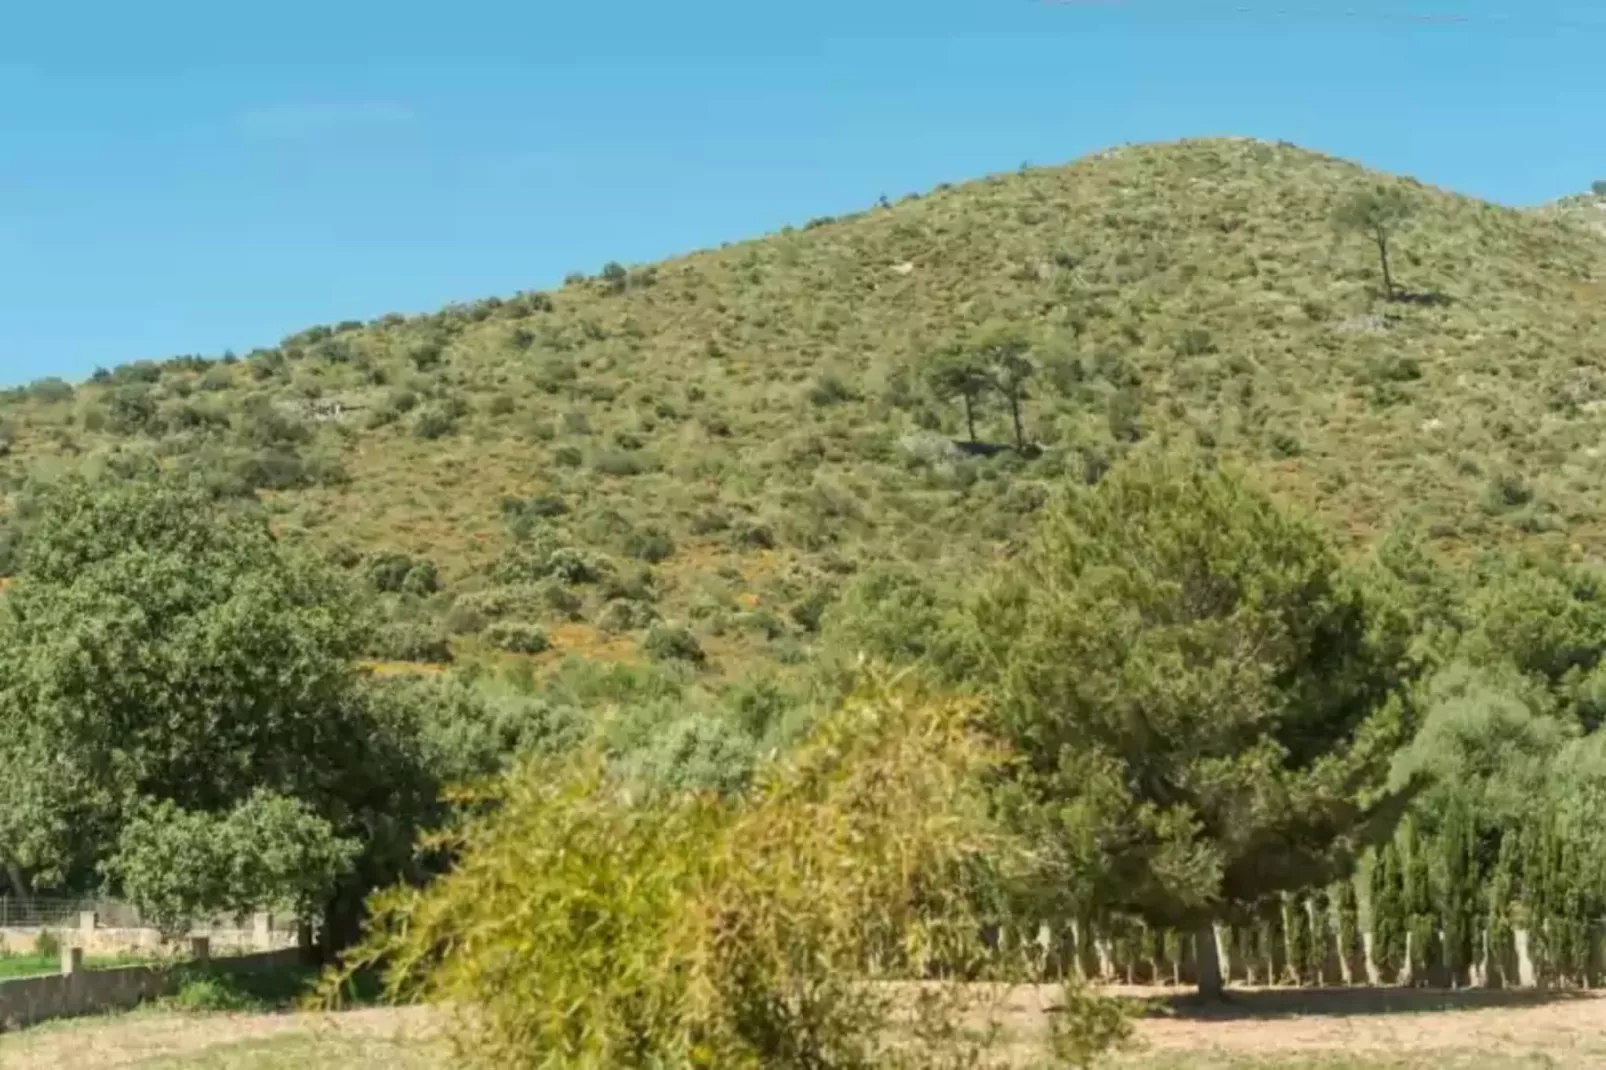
1257,1030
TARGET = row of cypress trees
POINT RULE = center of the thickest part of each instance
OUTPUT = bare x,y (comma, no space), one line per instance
1440,908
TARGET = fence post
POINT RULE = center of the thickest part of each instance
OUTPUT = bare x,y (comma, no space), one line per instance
72,960
86,921
201,948
262,930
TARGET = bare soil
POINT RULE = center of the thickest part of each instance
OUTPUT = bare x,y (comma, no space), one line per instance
1256,1030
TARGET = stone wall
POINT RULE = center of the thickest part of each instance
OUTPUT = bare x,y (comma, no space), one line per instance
77,991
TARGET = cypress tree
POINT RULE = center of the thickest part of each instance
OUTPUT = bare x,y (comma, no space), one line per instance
1499,903
1348,918
1541,856
1318,912
1266,944
1458,888
1149,949
1244,951
1171,949
1572,941
1296,937
1388,912
1418,902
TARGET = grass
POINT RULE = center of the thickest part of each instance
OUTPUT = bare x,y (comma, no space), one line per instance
14,966
737,431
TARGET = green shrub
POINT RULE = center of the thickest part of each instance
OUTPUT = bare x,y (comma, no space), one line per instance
651,544
517,637
669,642
434,422
426,355
411,641
393,572
829,389
464,618
51,391
626,615
1195,342
47,944
556,598
621,463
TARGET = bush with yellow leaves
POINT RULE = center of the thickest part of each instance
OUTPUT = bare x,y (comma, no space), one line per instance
585,928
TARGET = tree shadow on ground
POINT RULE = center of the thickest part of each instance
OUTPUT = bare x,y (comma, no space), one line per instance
1350,1002
1430,298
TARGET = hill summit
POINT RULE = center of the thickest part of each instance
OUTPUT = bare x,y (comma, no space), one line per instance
688,459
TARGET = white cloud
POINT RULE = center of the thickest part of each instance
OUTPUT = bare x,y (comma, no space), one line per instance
295,121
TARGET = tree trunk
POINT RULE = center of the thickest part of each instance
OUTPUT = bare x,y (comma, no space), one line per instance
1014,414
1208,963
19,883
1383,256
970,417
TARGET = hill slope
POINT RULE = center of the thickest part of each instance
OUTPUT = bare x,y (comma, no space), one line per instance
737,430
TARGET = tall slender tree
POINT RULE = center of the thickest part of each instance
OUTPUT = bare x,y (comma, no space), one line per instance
1459,881
1378,214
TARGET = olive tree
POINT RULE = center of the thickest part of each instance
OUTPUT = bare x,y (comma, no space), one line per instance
1202,700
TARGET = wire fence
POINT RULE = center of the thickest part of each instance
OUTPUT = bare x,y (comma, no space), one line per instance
54,913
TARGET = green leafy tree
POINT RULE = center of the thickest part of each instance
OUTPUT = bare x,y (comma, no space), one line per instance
1378,214
1201,699
180,867
161,653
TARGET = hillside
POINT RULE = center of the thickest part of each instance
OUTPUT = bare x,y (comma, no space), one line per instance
725,436
1586,209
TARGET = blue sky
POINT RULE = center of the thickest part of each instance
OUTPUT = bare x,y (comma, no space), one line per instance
186,177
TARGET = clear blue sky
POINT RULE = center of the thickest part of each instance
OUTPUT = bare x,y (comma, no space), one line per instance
184,177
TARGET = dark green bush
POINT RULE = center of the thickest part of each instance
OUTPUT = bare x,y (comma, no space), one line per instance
411,641
433,423
651,544
622,615
395,572
517,637
671,642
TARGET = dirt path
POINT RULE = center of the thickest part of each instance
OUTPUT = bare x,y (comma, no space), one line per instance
1351,1030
